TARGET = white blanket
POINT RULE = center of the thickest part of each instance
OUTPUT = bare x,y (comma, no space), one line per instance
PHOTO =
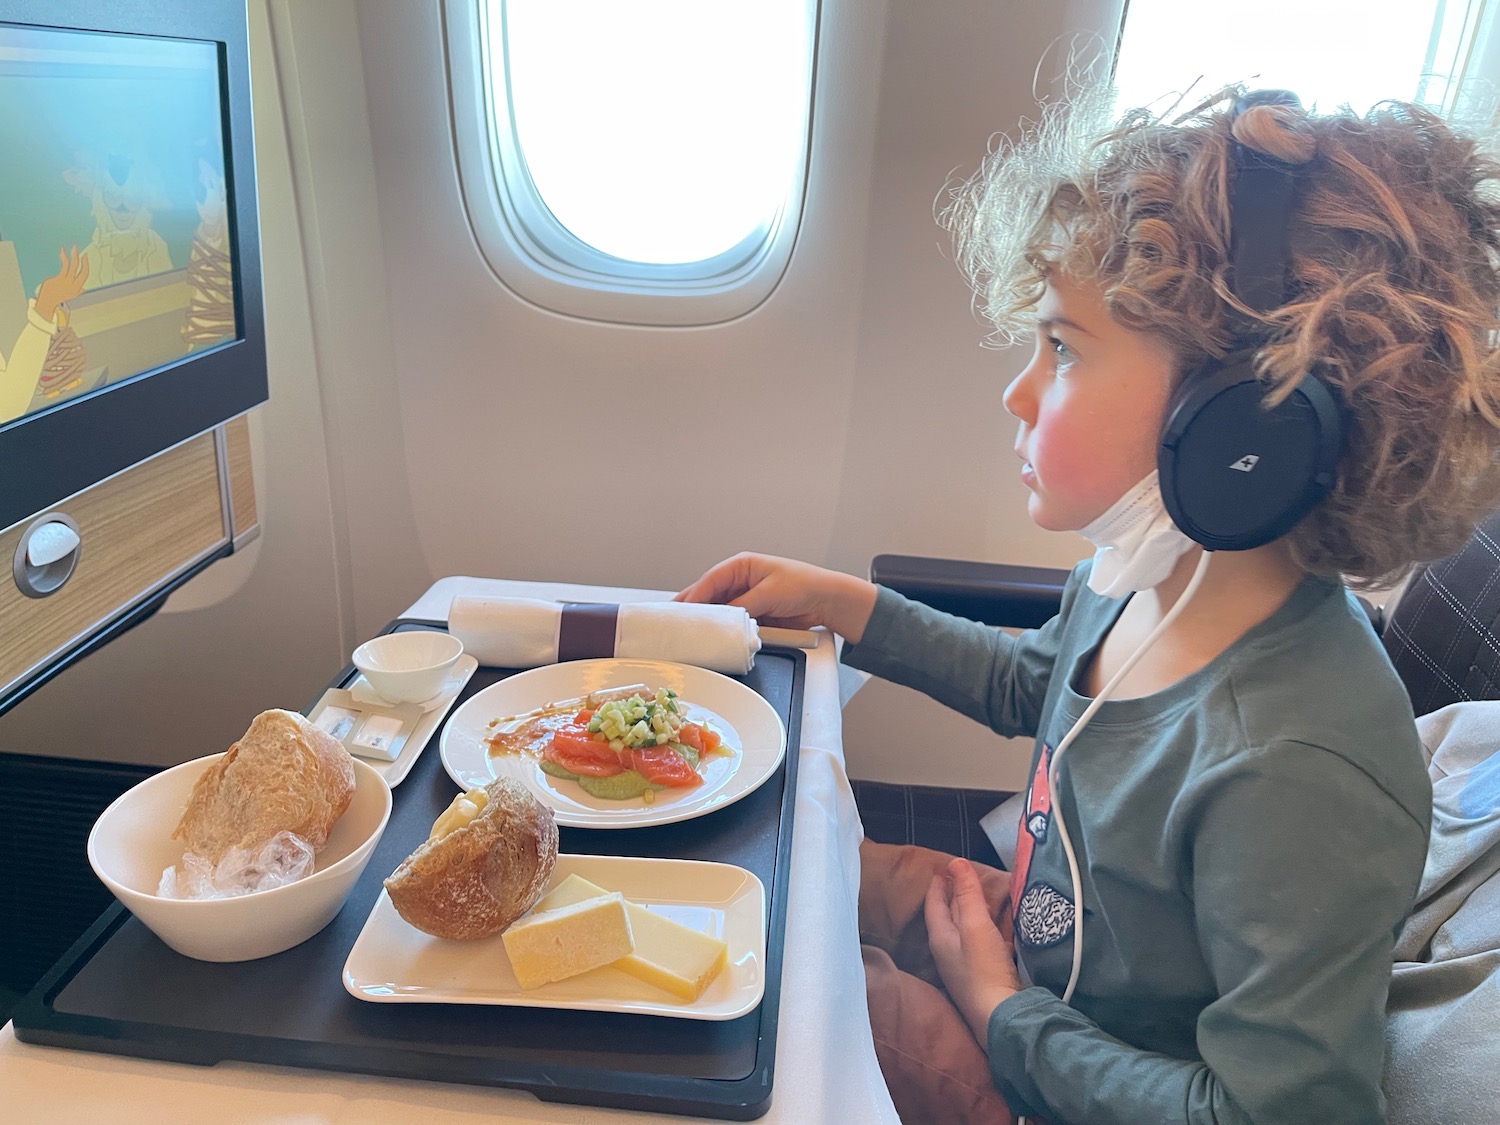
1443,1028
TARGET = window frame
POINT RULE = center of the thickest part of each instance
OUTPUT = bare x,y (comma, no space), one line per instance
1467,45
539,260
1468,97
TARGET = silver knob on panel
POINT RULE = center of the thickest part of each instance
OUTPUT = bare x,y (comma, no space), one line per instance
46,555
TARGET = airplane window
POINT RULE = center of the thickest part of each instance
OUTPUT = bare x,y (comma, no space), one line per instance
1330,52
639,162
621,153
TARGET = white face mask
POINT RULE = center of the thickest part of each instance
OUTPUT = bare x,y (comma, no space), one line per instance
1136,542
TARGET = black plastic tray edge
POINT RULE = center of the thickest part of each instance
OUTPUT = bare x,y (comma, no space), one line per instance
36,1022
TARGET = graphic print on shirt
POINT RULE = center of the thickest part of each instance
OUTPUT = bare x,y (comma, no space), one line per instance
1043,914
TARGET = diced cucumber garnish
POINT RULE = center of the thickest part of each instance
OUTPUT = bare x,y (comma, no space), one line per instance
637,721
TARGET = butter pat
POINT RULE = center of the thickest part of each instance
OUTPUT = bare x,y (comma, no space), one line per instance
463,809
571,940
668,955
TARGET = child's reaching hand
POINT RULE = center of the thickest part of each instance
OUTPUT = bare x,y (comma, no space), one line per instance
788,594
974,957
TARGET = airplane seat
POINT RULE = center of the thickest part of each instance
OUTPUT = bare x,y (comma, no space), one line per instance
942,817
1442,634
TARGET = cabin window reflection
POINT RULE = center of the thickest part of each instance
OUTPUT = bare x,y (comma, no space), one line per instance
1330,53
645,160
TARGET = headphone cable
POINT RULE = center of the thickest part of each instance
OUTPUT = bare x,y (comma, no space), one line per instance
1088,713
1067,740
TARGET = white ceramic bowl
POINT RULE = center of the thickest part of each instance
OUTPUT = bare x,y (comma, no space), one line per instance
408,667
131,845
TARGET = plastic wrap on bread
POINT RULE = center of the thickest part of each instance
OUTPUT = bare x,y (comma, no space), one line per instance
284,858
489,859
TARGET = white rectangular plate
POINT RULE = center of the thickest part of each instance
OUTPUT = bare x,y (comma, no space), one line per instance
433,713
392,962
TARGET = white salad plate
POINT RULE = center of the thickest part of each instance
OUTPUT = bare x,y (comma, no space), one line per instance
750,727
393,962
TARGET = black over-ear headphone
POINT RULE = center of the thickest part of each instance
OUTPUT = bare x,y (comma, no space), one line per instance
1234,474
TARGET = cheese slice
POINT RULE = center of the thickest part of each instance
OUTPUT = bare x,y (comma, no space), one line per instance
667,954
571,940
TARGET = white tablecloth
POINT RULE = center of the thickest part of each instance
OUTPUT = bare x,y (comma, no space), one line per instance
825,1062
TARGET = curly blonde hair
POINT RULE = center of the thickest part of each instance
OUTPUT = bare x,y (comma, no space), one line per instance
1394,288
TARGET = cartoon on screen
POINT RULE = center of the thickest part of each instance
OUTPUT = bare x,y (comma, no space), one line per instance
114,242
122,195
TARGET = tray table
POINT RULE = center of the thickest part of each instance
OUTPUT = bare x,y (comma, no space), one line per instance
121,990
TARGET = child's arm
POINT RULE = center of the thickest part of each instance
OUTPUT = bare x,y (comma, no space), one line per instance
787,593
978,670
1301,869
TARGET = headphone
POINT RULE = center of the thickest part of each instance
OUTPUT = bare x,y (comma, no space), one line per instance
1234,473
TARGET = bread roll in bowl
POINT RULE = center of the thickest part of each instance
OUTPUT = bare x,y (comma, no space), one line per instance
283,775
477,879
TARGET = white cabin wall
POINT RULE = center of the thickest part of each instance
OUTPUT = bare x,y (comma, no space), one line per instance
507,407
854,412
320,74
929,468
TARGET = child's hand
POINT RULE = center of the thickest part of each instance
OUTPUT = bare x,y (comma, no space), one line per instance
64,285
975,959
788,594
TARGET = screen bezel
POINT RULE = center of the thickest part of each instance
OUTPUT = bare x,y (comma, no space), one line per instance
53,454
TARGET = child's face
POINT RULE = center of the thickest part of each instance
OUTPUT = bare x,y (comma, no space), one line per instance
1090,402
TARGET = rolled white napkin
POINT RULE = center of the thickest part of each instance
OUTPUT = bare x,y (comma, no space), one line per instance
524,632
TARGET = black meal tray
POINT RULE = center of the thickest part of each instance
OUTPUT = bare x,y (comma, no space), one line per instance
121,990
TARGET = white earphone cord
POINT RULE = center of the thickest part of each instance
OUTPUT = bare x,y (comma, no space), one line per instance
1067,740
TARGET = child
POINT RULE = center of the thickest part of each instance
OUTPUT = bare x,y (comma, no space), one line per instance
1248,807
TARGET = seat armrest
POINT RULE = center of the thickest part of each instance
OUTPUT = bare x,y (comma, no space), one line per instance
1021,597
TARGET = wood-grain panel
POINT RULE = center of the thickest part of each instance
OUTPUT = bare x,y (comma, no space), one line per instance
241,475
136,529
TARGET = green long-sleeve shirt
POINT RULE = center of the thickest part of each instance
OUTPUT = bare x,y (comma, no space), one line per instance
1249,839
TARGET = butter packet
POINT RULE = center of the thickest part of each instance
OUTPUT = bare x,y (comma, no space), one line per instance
368,730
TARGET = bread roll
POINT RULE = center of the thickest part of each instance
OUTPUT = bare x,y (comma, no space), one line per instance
283,775
479,878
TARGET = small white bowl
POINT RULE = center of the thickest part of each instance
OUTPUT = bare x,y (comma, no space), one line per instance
408,667
131,845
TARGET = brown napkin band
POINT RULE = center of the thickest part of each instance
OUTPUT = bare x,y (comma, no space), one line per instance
587,630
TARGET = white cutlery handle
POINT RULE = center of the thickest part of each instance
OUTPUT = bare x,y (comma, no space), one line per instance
790,638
